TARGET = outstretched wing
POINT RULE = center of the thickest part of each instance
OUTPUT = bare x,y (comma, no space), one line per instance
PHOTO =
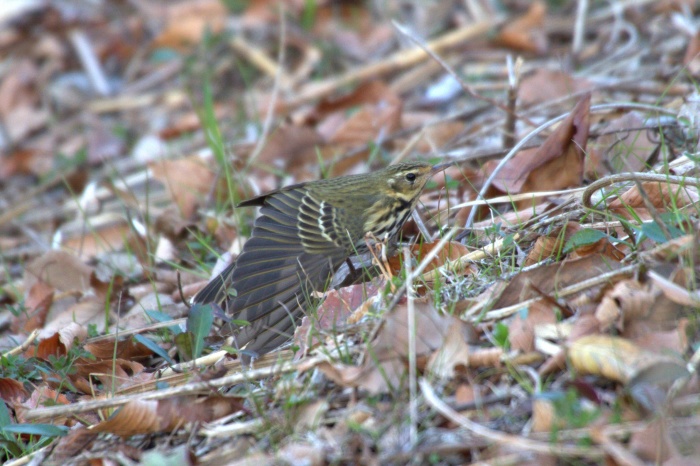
293,251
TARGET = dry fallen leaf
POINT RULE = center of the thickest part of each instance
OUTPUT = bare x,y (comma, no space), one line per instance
440,344
156,416
617,359
527,32
188,180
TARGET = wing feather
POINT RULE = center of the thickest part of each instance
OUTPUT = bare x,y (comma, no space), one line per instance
293,251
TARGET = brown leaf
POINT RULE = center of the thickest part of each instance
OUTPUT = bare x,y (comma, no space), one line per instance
664,198
388,353
125,349
353,30
653,443
291,147
12,390
61,341
615,358
37,304
106,233
113,374
624,148
551,244
186,23
556,164
527,32
452,355
521,331
552,277
155,416
89,310
77,441
41,397
544,85
60,270
452,251
628,300
188,180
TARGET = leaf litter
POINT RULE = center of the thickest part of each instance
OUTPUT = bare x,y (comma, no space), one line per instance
557,322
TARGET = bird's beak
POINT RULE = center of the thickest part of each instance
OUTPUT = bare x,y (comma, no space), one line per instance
440,167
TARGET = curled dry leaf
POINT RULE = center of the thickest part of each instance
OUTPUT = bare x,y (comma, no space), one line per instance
526,33
521,329
628,300
58,343
556,164
12,390
154,416
125,349
42,396
616,358
113,374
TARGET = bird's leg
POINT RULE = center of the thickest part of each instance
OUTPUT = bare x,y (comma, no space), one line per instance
351,267
377,247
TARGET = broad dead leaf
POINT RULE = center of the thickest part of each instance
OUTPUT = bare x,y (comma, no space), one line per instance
155,416
94,236
187,180
186,23
556,164
628,300
12,390
60,270
544,85
126,349
527,32
550,278
61,341
616,358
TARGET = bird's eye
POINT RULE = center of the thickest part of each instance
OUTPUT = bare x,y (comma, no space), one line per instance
411,177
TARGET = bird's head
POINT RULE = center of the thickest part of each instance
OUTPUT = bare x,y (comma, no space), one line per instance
408,179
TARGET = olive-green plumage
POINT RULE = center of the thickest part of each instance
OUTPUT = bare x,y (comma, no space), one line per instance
303,235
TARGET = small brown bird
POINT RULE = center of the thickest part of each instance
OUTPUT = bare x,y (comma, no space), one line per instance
304,233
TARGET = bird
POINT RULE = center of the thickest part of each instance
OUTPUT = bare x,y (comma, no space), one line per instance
302,236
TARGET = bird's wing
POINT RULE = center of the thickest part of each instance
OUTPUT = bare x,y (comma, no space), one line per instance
292,252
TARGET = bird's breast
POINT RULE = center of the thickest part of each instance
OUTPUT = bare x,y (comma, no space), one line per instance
386,219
